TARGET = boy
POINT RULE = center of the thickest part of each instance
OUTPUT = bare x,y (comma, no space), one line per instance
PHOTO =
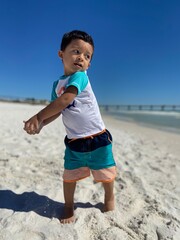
88,143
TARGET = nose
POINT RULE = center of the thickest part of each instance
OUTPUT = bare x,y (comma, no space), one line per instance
80,57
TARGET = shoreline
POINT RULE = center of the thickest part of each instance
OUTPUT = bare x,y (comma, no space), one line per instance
150,132
158,125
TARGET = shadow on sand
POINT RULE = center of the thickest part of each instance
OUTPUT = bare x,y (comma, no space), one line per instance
42,205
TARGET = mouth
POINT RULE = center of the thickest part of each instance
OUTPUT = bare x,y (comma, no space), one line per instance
79,65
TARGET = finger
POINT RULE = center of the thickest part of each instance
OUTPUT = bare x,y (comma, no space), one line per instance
26,125
32,127
30,132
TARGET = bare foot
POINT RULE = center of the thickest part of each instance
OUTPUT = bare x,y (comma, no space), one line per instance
109,205
68,216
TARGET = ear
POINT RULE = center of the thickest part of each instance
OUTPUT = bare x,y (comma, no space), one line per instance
60,54
89,65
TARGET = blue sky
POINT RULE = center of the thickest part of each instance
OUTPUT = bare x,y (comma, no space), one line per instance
137,48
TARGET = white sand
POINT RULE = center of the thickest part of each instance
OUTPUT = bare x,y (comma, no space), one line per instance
31,196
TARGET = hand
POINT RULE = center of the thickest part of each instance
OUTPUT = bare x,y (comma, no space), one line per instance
33,125
40,127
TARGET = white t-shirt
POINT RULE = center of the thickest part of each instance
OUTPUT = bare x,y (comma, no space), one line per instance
82,117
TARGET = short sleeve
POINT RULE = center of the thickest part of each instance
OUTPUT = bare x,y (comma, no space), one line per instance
53,93
79,80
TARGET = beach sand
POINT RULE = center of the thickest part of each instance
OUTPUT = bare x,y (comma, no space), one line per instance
147,187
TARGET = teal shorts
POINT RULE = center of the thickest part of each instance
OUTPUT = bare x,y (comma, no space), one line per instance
93,152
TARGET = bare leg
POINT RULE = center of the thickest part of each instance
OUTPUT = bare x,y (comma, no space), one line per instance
69,189
109,196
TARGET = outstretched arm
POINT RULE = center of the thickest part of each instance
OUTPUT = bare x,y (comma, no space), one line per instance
46,122
51,119
53,109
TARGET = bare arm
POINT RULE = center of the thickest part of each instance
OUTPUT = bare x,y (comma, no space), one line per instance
50,112
51,119
46,122
59,104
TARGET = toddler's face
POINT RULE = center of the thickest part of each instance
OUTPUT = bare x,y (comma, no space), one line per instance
76,56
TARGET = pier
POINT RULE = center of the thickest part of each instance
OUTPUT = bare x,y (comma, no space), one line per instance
141,107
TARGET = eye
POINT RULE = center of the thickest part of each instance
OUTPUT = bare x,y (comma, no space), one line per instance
88,57
76,51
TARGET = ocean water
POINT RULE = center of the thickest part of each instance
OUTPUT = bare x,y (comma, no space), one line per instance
163,120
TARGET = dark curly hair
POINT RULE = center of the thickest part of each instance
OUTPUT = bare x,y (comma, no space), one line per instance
75,34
